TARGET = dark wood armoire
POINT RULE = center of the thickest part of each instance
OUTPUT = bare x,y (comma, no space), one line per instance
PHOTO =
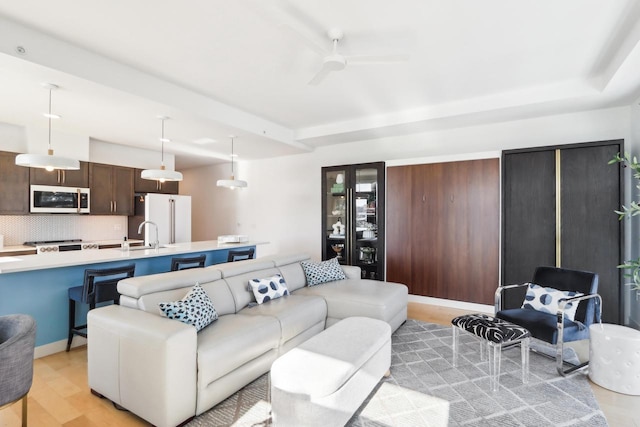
558,208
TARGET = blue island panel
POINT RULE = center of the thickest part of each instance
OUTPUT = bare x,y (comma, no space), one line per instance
43,293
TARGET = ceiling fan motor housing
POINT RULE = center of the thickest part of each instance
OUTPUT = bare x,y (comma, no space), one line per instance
334,62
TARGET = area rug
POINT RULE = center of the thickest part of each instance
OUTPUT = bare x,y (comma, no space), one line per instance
424,389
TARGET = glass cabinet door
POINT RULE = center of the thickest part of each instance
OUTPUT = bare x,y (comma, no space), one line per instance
353,216
365,197
335,220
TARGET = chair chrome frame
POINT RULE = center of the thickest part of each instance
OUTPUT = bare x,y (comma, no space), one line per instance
559,325
24,408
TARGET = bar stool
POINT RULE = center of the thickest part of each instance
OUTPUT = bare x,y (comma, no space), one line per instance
185,263
240,254
95,291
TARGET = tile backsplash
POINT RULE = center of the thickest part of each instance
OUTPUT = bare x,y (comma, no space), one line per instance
18,229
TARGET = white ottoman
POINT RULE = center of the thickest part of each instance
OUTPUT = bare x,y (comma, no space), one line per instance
323,381
614,358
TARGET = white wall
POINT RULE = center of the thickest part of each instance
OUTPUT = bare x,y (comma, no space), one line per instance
13,138
213,209
133,157
282,203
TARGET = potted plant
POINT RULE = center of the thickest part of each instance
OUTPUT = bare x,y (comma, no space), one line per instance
633,266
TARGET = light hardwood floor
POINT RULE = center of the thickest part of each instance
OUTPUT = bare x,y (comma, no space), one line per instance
60,395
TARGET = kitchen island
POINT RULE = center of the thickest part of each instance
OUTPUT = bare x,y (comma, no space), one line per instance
37,284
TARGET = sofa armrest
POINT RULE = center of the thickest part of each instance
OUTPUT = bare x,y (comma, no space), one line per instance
143,362
352,271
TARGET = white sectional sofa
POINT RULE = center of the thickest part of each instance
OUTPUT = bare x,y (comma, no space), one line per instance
166,372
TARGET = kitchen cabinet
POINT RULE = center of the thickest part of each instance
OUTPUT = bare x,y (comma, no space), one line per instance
67,178
14,186
353,216
443,229
111,189
152,186
558,209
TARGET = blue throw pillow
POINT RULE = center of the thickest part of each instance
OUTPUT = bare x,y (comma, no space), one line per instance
326,271
196,308
548,299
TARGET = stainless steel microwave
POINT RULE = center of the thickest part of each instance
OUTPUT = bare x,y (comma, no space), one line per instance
54,199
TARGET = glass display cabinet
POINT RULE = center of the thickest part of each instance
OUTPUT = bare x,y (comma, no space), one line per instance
353,216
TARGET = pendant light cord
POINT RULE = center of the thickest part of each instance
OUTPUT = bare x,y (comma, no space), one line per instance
162,141
49,119
231,155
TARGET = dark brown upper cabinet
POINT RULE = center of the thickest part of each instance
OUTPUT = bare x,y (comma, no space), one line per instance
14,186
152,186
111,189
65,178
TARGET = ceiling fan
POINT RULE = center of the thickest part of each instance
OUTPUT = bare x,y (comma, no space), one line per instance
334,61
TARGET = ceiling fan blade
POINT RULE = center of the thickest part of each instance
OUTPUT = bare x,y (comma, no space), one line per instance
312,41
320,76
288,18
377,59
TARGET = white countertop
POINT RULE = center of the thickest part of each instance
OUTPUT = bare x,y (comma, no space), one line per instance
14,264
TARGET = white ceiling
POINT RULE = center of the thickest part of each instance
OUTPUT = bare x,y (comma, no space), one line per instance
241,67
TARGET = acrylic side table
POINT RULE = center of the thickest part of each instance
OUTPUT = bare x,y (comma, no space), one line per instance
614,358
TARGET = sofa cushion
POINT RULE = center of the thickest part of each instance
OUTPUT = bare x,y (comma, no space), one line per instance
238,284
322,272
218,291
268,289
294,276
194,309
544,326
360,297
296,313
287,259
232,341
142,285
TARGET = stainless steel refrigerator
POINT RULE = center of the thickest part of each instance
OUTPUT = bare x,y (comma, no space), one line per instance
172,214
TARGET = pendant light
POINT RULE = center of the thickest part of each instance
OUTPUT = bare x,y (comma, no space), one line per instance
47,161
233,182
161,174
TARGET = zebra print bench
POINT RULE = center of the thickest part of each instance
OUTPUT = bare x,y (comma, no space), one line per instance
493,333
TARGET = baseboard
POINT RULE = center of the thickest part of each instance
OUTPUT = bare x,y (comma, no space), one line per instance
57,347
462,305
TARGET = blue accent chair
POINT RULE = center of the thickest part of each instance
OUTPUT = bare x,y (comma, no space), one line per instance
554,328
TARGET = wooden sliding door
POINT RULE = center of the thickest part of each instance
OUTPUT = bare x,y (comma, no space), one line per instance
443,229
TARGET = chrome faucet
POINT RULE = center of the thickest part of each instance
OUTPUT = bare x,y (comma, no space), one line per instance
156,244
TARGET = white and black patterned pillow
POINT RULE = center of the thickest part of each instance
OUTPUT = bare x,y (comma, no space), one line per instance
196,308
325,271
548,299
270,288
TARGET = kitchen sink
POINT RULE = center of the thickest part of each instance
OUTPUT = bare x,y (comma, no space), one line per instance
134,248
143,248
